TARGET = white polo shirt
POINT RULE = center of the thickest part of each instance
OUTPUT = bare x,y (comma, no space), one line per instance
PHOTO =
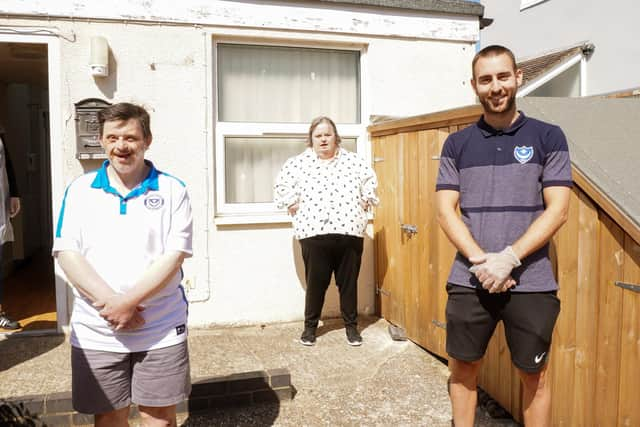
121,236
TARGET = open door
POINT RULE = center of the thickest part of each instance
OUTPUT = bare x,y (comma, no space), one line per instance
27,268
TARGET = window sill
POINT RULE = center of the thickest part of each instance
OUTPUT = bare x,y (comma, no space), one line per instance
245,219
255,218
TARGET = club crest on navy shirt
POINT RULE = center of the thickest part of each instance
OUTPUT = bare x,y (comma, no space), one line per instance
523,154
154,202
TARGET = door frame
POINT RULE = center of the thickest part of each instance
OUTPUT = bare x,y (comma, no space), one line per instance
51,38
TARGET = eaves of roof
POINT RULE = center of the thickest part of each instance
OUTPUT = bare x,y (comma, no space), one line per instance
534,68
456,7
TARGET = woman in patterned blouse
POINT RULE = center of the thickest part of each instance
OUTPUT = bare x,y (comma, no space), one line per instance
328,191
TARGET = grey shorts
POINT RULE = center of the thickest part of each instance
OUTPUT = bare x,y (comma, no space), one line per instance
104,381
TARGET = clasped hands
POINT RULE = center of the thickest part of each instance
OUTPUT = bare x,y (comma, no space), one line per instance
120,312
493,270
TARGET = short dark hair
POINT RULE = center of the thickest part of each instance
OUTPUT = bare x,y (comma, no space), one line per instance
314,124
126,111
493,50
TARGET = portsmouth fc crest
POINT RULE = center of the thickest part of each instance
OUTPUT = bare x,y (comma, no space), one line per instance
523,154
154,202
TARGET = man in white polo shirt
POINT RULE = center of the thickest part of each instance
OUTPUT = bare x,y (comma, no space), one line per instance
121,237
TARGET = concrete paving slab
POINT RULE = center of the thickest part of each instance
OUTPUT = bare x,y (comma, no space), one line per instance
381,383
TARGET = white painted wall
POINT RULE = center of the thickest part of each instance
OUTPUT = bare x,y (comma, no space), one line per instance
611,26
243,274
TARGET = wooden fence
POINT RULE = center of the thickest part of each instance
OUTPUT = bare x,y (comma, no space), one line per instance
595,355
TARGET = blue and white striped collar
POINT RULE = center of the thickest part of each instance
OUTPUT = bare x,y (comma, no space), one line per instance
149,183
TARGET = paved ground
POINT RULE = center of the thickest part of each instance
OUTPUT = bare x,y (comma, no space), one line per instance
382,383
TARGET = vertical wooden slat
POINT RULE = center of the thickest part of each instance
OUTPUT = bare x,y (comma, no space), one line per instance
629,408
411,280
564,341
446,253
607,376
397,288
586,312
389,261
425,223
437,284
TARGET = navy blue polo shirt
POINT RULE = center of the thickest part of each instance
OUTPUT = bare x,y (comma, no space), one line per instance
500,175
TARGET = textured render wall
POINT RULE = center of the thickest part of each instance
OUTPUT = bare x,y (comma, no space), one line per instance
410,77
610,26
250,273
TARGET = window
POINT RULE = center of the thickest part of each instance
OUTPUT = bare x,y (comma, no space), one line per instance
252,163
266,97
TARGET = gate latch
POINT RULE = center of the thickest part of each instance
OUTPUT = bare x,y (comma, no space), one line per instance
409,229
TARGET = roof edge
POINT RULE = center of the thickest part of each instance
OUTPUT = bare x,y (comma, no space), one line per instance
550,74
456,7
584,44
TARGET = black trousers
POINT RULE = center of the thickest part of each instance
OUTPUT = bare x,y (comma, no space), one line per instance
323,256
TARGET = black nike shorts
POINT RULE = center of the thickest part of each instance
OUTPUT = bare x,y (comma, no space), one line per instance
528,317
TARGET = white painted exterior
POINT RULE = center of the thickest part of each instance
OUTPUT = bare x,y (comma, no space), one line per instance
555,24
245,270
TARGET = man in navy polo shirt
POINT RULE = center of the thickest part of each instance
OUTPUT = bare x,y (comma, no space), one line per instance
511,177
122,235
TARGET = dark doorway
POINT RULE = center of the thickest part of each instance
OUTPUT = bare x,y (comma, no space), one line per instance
27,268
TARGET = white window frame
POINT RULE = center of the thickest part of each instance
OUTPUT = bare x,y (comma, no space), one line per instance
237,213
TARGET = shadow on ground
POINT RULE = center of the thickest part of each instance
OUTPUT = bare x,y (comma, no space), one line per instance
18,349
261,414
329,325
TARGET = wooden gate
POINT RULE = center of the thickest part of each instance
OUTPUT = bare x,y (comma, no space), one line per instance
595,356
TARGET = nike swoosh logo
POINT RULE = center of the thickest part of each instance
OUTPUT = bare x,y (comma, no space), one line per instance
539,357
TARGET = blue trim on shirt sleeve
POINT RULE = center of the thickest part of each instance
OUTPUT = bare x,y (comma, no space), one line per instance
61,216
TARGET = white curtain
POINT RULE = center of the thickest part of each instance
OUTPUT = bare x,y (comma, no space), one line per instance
252,164
287,84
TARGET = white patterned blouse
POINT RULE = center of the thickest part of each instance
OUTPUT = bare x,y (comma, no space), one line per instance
332,195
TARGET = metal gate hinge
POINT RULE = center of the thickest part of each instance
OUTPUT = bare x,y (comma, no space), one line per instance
383,292
439,324
629,286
